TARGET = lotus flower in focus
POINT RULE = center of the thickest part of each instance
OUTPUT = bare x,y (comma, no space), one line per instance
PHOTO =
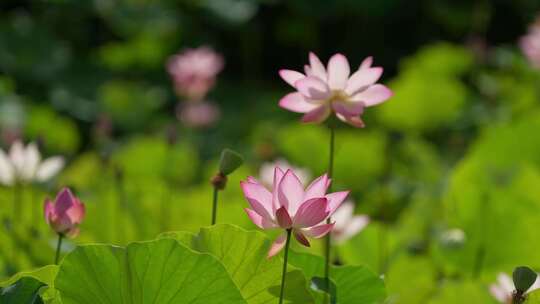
321,91
64,214
347,224
194,71
23,164
504,288
530,44
287,205
266,172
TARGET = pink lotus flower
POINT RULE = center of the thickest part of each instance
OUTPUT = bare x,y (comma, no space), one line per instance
504,288
530,44
322,91
291,207
65,214
194,71
347,224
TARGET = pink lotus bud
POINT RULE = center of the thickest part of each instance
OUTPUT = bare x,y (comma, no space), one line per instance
194,71
64,214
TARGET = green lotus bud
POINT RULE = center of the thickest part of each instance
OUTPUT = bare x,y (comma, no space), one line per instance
230,161
524,278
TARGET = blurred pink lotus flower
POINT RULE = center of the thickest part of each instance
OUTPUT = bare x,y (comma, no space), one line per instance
24,164
288,206
266,172
347,224
64,214
322,91
504,288
198,115
194,71
530,44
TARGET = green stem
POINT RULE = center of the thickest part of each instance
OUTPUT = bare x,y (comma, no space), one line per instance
328,238
382,248
214,205
35,215
481,251
120,202
17,200
285,266
58,247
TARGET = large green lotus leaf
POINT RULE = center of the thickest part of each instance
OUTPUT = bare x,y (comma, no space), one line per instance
160,271
44,275
494,197
355,284
244,255
25,290
25,287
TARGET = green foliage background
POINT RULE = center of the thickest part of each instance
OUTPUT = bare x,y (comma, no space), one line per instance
455,148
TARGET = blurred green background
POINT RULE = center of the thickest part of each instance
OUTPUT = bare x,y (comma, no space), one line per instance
455,149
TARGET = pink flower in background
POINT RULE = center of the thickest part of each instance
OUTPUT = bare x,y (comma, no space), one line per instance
24,164
198,115
504,288
530,44
322,91
347,224
64,214
266,172
194,71
287,205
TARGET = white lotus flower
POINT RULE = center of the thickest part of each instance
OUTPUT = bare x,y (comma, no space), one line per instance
24,164
266,172
504,288
347,224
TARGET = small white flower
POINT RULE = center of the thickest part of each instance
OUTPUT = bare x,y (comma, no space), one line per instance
347,224
503,289
23,164
266,172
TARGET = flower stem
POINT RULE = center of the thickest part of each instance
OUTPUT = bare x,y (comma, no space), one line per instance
484,225
214,205
58,247
17,200
382,250
285,266
34,226
120,200
328,238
